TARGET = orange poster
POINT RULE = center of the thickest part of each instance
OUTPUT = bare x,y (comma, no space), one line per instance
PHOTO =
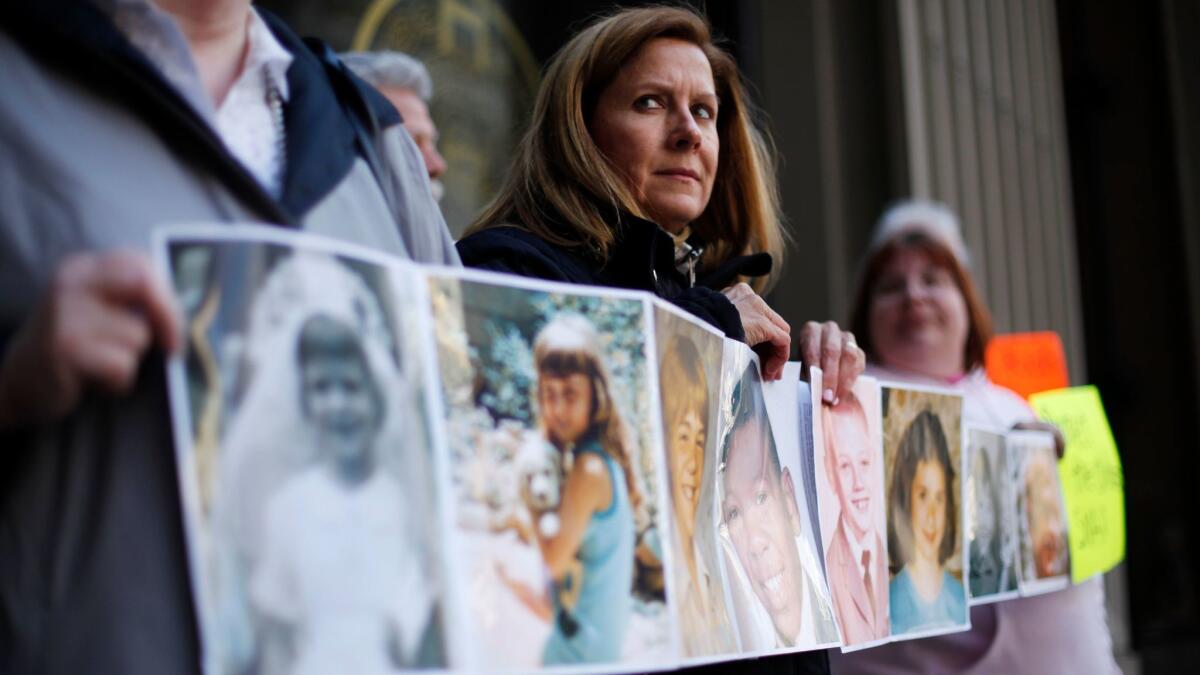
1027,363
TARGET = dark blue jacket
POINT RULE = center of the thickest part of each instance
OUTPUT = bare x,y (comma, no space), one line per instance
642,258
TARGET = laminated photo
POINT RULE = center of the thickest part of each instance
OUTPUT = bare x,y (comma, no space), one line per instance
922,449
304,453
787,398
1042,516
780,598
555,456
852,498
689,372
991,518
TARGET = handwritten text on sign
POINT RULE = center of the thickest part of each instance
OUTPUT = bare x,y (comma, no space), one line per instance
1091,476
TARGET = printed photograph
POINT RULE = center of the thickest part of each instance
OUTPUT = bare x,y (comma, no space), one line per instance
789,400
850,486
305,458
991,518
689,372
1045,555
779,594
922,450
555,459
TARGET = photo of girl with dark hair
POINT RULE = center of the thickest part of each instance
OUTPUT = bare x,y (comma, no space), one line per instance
921,458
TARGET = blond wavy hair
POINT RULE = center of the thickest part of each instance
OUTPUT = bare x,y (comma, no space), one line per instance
563,189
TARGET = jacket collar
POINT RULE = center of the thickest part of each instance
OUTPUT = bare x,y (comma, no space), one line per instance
643,257
327,102
79,41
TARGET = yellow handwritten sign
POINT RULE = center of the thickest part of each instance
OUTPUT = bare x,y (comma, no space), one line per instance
1091,478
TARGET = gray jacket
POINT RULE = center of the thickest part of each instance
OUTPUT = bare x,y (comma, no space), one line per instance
95,150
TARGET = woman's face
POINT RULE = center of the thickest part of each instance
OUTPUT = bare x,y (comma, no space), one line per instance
928,509
657,123
340,401
566,407
687,466
918,316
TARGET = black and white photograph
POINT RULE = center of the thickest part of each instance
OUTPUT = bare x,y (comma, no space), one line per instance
305,455
991,518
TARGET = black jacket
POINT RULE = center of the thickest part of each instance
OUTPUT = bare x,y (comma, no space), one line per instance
642,258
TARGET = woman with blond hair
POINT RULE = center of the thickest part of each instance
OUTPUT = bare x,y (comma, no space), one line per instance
643,169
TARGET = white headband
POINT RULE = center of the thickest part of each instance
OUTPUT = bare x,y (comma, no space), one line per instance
927,217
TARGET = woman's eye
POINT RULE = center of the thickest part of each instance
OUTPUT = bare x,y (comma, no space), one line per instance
647,103
704,112
937,277
889,285
760,498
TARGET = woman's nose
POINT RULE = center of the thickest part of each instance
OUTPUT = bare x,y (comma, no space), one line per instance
686,134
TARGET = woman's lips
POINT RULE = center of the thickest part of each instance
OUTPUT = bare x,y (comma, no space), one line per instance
680,174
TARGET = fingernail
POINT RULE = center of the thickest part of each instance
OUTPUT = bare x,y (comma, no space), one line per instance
827,396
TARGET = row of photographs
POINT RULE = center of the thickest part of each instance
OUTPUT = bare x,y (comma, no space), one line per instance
388,467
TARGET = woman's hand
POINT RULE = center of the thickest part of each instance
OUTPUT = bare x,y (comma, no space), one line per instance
766,331
100,315
1060,443
836,353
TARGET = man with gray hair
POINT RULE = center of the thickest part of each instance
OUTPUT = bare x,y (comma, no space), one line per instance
405,82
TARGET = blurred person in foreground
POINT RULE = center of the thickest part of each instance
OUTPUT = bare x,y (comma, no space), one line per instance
921,321
643,168
116,116
405,82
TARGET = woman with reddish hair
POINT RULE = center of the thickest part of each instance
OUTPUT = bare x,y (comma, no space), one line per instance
920,320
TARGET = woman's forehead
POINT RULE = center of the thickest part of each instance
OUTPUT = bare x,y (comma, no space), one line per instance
668,61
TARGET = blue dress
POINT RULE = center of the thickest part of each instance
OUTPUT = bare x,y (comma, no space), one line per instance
909,613
594,630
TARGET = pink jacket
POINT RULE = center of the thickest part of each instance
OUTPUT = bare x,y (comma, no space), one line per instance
861,619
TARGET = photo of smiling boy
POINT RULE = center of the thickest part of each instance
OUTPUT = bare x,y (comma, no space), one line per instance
851,485
761,519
